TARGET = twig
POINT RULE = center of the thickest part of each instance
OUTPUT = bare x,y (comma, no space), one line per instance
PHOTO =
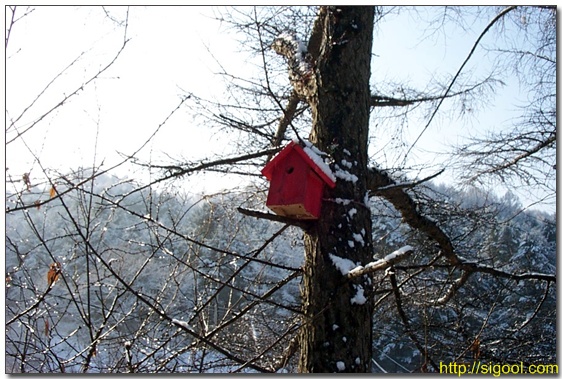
406,321
410,184
452,289
410,214
177,171
475,267
488,27
32,307
65,98
155,307
273,217
387,101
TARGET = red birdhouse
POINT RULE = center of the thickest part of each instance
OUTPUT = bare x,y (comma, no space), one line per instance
297,178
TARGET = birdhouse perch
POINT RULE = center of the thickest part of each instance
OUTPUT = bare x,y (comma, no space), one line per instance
297,178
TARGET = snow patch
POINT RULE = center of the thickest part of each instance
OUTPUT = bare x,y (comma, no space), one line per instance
340,365
316,156
181,323
346,163
351,243
255,334
352,212
335,327
359,297
396,253
341,201
359,238
342,174
342,264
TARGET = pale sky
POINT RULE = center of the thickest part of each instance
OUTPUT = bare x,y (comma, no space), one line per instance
166,52
169,53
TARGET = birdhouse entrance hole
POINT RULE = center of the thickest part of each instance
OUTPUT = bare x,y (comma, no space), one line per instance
297,182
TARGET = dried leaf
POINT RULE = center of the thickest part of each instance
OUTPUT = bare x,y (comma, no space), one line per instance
27,181
53,192
54,273
37,204
46,327
475,348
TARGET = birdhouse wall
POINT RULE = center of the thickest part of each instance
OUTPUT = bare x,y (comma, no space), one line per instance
297,180
287,179
295,189
314,194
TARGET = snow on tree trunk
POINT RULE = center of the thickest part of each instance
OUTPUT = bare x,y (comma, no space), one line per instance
337,333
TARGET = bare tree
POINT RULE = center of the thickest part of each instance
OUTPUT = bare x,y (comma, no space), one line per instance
109,274
524,155
380,184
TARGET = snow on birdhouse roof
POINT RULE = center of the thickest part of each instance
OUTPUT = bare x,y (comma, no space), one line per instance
310,154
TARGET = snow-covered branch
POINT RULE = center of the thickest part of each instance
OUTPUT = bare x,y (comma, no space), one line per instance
452,289
402,201
301,69
382,263
289,46
410,213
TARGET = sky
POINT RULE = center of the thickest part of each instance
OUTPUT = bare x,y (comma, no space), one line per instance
165,57
418,58
168,56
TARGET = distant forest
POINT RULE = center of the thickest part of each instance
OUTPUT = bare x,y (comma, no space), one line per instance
202,262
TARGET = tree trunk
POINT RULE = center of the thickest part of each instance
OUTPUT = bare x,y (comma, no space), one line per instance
337,335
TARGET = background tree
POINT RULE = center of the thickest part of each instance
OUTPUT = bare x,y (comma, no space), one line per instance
522,156
153,279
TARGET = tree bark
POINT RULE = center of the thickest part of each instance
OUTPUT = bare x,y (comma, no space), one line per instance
337,331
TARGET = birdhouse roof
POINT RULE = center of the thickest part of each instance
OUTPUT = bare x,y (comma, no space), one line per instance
312,159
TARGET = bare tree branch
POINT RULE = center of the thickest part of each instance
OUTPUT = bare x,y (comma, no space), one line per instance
20,133
274,217
405,321
454,287
410,214
474,267
488,27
